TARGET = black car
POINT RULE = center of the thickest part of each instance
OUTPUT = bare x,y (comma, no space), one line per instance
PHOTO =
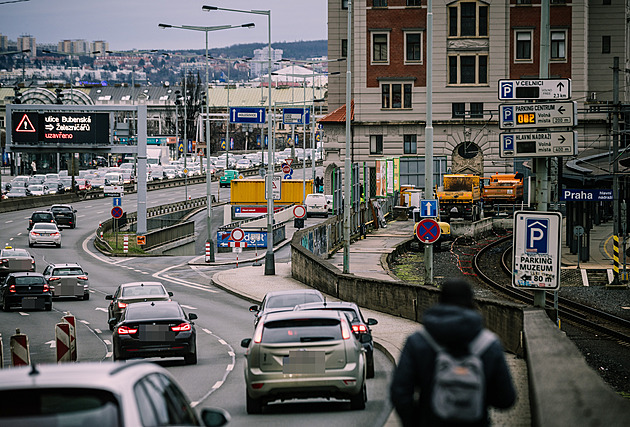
155,329
360,327
41,216
25,289
64,215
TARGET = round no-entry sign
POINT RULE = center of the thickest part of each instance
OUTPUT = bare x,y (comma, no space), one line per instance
237,234
286,168
428,231
117,212
299,211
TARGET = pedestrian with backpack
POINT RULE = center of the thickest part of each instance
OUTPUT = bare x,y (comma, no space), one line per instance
453,368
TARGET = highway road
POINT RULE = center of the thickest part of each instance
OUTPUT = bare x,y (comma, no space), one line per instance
217,379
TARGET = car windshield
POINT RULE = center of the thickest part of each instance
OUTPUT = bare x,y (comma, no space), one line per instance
67,271
291,300
15,252
59,407
36,187
153,311
44,226
18,190
301,330
58,209
42,217
144,290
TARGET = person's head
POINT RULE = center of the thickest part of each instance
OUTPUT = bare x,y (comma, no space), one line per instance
457,292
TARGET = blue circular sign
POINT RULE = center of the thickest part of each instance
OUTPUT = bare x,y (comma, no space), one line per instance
428,231
287,176
117,212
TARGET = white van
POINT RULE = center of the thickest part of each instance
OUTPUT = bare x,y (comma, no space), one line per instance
114,178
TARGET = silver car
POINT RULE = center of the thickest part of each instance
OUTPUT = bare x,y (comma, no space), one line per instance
301,355
44,233
67,280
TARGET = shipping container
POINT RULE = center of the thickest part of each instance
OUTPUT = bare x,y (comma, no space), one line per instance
251,192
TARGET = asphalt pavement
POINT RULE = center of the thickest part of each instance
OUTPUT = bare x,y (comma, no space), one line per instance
251,283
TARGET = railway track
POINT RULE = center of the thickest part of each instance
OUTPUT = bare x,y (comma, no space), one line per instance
568,310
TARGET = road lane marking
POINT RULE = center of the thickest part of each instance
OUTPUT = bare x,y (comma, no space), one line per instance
100,212
85,322
52,343
161,275
108,342
222,341
231,353
101,309
109,354
98,331
24,314
207,331
230,367
8,222
217,384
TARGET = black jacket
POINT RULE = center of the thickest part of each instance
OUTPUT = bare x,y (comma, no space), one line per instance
454,328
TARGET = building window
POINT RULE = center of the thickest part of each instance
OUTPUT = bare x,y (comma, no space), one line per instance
467,69
606,3
468,19
376,144
414,3
458,110
344,48
523,45
413,47
558,45
379,47
605,44
380,3
344,4
396,95
410,145
476,110
523,1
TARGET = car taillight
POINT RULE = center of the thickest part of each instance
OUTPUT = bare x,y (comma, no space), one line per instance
126,330
258,333
12,288
181,327
82,277
345,330
46,288
53,278
257,386
359,329
4,261
55,233
34,233
122,304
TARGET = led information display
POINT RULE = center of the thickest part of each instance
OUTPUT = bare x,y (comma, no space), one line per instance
537,115
64,128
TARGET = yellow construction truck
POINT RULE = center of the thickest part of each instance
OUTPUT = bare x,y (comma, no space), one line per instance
460,197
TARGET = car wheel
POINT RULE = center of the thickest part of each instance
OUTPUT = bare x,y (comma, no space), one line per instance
191,358
370,365
86,296
111,327
5,307
73,226
30,245
254,406
48,307
58,245
357,402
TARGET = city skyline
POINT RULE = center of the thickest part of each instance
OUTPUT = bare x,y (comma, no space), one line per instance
127,26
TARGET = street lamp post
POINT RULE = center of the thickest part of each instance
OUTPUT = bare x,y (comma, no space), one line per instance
210,240
270,268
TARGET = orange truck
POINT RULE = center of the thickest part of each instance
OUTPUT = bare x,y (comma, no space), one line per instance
460,197
503,189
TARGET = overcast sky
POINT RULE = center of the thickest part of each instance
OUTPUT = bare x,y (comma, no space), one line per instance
133,24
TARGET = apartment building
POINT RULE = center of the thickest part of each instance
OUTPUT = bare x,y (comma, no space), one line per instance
475,44
27,42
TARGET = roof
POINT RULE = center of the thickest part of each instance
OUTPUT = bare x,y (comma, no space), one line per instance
141,283
306,314
339,115
293,292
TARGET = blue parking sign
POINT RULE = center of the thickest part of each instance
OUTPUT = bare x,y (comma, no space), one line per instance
537,238
507,90
508,113
508,142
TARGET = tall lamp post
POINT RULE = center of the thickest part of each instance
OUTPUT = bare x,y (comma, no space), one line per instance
270,267
210,240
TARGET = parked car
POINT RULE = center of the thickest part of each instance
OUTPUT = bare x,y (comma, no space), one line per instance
129,293
103,394
316,204
40,216
284,301
360,326
26,289
15,259
155,329
44,233
67,280
303,354
64,215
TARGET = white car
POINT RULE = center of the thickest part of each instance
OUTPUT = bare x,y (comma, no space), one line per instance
316,204
44,233
37,190
244,164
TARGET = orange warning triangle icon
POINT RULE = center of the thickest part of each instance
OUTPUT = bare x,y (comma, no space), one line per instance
25,125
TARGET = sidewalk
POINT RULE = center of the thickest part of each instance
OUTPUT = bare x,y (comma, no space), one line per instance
391,332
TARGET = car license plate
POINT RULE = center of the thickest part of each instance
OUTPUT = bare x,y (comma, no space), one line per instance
32,302
304,362
156,333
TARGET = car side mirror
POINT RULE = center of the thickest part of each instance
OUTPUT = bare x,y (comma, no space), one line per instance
111,321
192,316
254,308
75,211
371,321
109,297
170,294
246,342
214,417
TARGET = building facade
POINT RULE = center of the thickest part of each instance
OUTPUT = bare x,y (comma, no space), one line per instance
259,65
475,44
27,42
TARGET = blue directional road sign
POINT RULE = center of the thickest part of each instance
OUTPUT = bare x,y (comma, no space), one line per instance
295,116
537,244
428,208
247,115
180,146
116,201
190,149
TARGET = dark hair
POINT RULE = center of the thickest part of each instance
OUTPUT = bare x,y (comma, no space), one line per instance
457,292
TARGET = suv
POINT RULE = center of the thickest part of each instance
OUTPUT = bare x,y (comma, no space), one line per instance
107,394
67,280
40,216
64,215
26,289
